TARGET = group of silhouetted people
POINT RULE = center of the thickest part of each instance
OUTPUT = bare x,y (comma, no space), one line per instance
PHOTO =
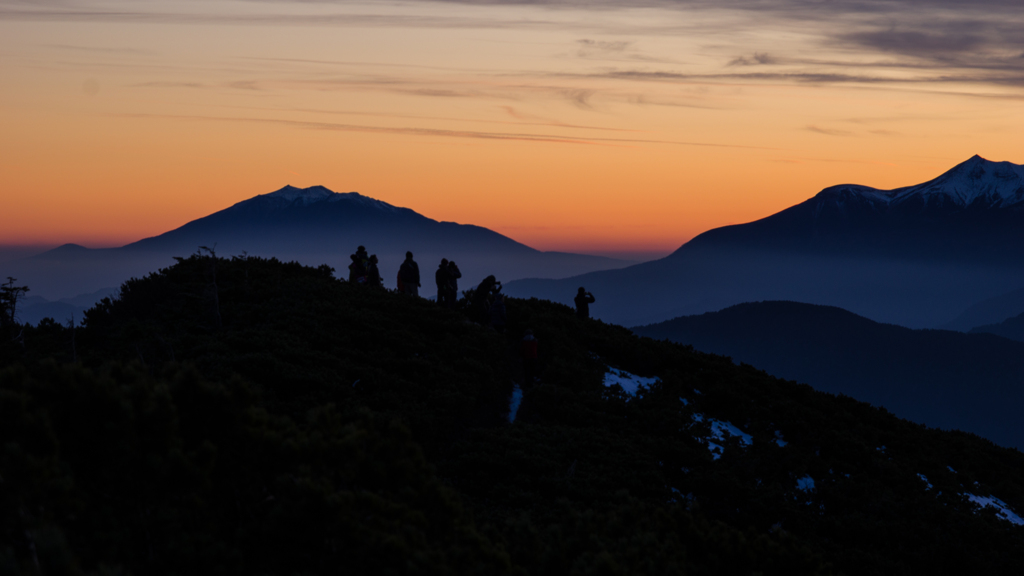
447,279
363,269
486,302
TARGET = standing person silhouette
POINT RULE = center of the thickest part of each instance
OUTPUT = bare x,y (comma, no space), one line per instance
356,270
409,276
583,301
443,280
373,274
453,284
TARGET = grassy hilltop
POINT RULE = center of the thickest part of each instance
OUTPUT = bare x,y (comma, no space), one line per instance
249,416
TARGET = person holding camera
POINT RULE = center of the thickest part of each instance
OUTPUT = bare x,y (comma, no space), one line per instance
583,301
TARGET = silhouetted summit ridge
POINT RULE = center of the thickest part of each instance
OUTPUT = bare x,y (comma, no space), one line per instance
291,195
971,211
992,184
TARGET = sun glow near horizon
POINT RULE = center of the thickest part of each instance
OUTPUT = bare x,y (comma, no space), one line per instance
566,127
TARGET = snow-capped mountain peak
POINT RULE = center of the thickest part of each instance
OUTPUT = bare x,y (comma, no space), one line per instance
976,182
303,195
290,196
997,184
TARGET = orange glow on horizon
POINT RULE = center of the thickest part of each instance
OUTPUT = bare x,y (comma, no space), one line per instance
116,131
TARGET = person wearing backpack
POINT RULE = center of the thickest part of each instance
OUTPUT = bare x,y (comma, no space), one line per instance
453,284
443,280
356,271
409,276
373,278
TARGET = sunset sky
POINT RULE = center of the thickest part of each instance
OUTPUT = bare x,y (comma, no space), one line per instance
601,127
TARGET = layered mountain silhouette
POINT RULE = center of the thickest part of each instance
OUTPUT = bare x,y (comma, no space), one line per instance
916,256
990,311
33,309
1012,328
314,226
941,378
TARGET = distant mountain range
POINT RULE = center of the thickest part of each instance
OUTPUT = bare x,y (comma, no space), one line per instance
941,378
33,309
1012,328
314,226
990,311
917,256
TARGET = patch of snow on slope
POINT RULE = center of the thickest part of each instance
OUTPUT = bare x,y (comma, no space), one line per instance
925,480
314,194
778,439
720,430
1001,183
514,402
1002,510
630,383
805,484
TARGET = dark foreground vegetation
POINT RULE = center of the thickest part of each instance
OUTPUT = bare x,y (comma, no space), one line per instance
249,416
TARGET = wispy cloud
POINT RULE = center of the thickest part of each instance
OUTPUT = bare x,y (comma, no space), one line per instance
444,133
981,42
827,131
99,49
163,84
755,59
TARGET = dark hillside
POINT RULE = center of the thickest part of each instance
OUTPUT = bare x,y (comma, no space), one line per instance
251,416
940,378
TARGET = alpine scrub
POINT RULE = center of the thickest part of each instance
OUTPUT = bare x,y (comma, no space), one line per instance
252,416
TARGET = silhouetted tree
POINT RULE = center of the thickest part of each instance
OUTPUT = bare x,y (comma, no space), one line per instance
9,295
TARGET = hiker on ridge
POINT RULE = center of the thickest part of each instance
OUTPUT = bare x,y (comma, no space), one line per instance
356,270
453,284
373,278
443,280
409,276
583,301
482,297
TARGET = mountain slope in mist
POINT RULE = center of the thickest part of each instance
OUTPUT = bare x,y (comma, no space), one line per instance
940,378
915,256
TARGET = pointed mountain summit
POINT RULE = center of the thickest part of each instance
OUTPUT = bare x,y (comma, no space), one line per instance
974,211
972,183
976,183
916,256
